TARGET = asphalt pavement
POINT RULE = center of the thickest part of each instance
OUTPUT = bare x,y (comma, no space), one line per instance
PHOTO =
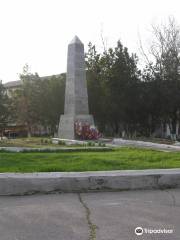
92,216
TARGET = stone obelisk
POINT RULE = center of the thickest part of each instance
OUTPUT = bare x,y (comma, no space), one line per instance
76,98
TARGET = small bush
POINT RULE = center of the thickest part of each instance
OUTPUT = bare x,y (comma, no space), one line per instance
62,143
49,150
91,144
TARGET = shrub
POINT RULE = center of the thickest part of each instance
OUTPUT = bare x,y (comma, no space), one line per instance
62,143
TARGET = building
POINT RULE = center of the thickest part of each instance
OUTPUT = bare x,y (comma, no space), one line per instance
12,86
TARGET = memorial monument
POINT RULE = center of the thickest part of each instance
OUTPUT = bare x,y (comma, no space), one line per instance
76,99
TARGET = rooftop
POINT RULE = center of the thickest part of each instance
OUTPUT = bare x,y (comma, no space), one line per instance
14,84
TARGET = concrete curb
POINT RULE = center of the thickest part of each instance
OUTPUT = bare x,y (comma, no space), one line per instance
30,183
53,149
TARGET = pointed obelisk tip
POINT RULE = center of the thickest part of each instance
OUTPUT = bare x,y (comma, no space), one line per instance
76,40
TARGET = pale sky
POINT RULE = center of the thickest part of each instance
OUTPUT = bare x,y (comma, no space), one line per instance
37,32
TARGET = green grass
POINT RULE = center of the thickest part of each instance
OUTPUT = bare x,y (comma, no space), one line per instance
118,159
32,142
43,142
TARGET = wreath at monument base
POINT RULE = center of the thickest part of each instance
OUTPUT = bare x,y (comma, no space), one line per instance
85,131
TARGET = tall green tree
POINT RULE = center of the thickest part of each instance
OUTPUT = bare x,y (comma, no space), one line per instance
39,101
51,101
25,99
4,108
165,49
113,79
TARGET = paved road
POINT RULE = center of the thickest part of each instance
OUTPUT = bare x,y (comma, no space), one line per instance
90,216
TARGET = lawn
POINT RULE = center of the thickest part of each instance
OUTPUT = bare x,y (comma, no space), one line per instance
118,159
41,142
32,142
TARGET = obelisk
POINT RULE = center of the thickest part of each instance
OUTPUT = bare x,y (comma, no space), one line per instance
76,97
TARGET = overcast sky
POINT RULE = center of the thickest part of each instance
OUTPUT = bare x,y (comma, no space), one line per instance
37,32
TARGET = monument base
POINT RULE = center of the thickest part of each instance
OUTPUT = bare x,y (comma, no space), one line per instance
66,125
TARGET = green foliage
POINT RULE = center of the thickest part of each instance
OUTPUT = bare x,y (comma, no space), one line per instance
163,79
62,143
91,144
119,159
113,79
124,101
39,101
100,144
51,101
129,103
4,108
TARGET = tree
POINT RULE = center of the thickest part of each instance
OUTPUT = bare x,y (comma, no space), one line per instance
25,99
112,83
165,49
96,86
39,102
123,85
51,101
4,108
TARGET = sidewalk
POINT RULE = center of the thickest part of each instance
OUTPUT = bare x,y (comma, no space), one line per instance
90,216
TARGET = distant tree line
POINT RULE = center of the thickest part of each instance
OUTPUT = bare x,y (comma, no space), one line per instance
129,102
124,100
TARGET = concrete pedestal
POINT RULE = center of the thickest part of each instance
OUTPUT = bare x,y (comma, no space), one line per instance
66,125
